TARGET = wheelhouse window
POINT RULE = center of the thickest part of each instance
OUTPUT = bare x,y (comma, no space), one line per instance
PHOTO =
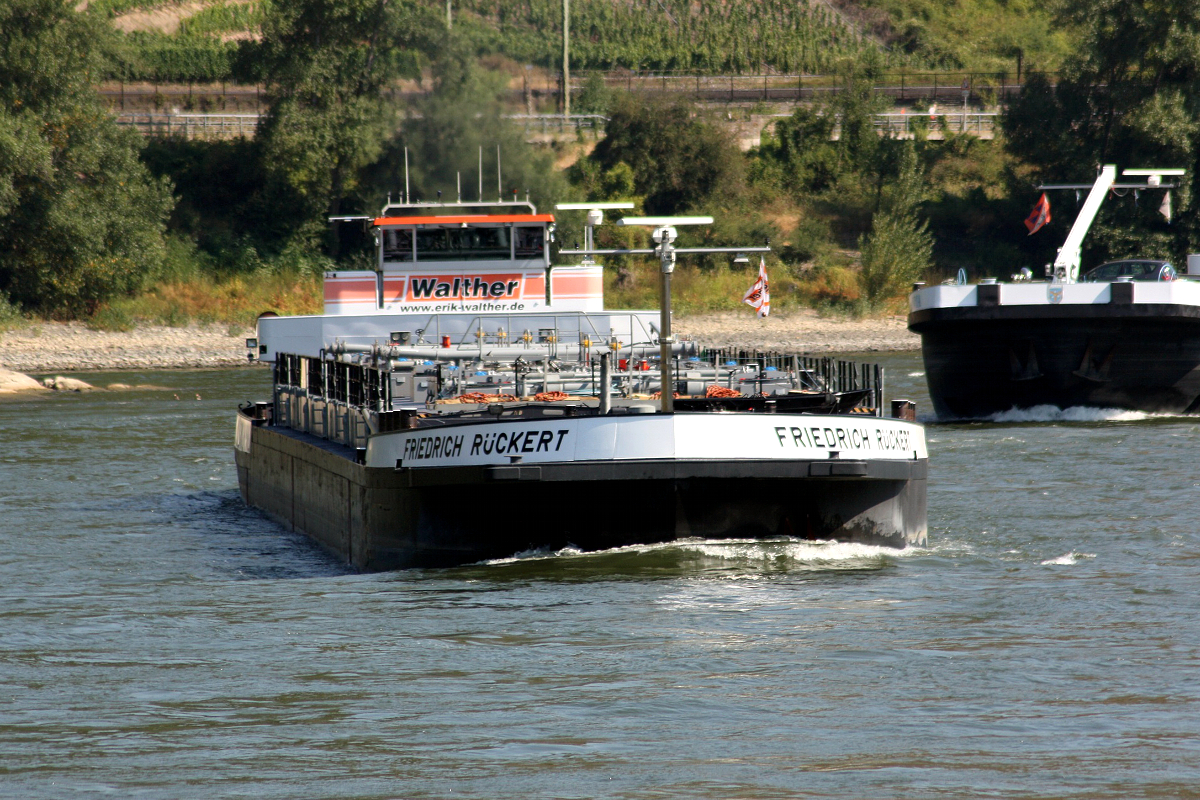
530,242
397,245
463,244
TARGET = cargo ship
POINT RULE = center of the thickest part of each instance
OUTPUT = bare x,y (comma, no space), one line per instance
465,400
1123,335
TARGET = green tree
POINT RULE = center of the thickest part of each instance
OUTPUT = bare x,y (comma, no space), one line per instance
830,158
326,64
854,106
801,155
832,146
458,135
595,97
617,183
81,219
680,161
1129,95
899,248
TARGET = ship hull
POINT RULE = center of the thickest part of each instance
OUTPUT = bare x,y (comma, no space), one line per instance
981,361
380,518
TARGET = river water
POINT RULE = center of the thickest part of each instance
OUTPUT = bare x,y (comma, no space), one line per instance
160,640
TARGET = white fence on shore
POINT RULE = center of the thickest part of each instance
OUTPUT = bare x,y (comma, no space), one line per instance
192,126
981,124
228,126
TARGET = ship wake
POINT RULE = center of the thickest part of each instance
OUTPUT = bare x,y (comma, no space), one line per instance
1049,413
749,556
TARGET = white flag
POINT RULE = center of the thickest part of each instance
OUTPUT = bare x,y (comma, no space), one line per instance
759,294
1165,208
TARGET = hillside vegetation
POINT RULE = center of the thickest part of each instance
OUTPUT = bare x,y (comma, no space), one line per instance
97,222
975,35
705,36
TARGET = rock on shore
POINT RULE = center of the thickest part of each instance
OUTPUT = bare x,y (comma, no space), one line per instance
16,383
60,383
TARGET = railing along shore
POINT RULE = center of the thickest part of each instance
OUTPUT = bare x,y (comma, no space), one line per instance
933,126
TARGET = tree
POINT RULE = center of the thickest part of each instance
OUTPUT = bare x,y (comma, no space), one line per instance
801,155
899,248
679,161
454,134
830,153
1129,95
595,97
326,64
81,219
854,106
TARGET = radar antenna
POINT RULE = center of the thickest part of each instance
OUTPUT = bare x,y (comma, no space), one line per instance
664,236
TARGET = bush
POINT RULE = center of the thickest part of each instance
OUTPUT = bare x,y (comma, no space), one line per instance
111,317
832,288
10,315
183,261
810,240
595,96
895,253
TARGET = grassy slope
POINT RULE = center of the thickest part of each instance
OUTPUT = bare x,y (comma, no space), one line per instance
982,35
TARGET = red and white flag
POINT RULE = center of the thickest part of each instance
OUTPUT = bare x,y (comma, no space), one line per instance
1039,216
759,294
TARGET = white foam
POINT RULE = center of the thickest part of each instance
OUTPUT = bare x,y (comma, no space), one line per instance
1048,413
813,552
916,374
1067,559
816,553
541,553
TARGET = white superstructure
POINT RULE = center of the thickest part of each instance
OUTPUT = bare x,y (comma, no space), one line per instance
456,270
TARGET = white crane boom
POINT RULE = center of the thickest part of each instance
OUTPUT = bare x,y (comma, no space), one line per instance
1066,264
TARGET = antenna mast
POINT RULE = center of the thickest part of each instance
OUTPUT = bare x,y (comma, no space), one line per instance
664,236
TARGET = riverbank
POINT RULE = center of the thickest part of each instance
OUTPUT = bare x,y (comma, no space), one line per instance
799,331
72,347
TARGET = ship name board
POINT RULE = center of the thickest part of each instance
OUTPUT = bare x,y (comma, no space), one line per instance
504,443
458,287
838,437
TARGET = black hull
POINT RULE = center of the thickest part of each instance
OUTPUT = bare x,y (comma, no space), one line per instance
379,519
981,361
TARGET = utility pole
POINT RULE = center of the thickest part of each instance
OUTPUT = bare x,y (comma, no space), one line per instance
966,93
566,69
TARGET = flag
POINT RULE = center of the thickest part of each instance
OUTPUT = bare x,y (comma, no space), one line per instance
1039,216
759,294
1165,208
